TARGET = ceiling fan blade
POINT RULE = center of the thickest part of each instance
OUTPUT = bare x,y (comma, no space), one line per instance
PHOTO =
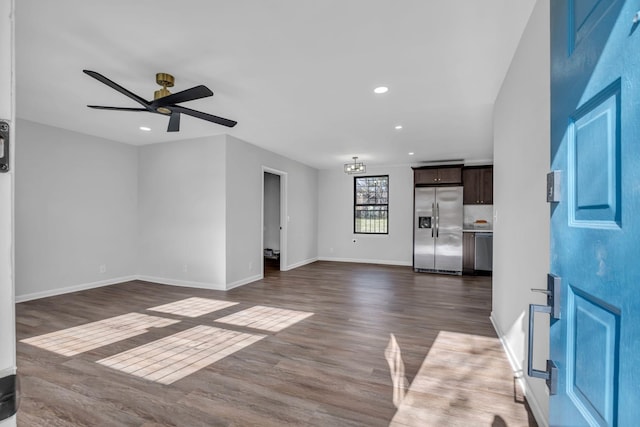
204,116
196,92
117,87
174,122
100,107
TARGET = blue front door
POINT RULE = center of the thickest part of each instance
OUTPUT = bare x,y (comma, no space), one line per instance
595,228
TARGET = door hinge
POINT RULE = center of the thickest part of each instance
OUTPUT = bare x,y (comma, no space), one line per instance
4,147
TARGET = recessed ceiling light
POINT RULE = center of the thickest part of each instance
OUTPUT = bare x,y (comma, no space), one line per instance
412,153
145,128
398,127
381,89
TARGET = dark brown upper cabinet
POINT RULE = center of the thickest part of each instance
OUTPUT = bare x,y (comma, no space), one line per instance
438,175
478,185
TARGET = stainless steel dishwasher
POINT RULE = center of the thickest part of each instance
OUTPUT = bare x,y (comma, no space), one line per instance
484,252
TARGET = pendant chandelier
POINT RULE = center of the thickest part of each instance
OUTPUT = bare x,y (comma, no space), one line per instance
355,167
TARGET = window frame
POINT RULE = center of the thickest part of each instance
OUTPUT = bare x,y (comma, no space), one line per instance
356,204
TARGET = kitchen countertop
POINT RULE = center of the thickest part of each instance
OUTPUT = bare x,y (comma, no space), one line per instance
471,229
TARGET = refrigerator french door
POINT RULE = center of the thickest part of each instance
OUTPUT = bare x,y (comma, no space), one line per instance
438,230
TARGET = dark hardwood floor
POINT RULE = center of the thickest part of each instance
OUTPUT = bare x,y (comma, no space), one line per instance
272,364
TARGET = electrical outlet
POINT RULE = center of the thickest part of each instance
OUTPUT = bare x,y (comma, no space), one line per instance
330,250
102,268
250,265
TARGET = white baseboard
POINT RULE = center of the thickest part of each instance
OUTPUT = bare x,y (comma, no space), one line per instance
518,371
244,281
116,280
75,288
184,283
368,261
300,264
188,283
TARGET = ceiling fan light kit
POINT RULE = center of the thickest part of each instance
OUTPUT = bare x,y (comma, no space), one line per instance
164,102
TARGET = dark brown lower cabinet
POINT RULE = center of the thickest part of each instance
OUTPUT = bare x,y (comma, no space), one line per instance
468,252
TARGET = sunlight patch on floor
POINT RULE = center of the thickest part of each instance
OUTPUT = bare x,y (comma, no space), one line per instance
265,318
176,356
193,307
72,341
462,381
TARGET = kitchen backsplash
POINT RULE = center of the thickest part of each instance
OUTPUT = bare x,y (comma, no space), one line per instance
473,213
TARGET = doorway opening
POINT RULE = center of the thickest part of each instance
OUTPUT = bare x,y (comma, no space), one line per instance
273,221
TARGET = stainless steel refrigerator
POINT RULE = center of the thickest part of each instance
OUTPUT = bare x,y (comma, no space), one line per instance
438,230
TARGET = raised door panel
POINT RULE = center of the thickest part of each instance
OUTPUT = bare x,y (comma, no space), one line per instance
478,185
425,176
471,182
468,251
486,186
450,175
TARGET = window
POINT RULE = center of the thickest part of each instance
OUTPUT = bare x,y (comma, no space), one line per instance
371,205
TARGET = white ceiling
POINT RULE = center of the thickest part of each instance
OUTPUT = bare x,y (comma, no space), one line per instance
297,75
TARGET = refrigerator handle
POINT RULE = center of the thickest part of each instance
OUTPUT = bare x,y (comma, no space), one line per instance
433,212
437,220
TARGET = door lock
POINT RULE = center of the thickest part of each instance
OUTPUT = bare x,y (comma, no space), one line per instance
553,295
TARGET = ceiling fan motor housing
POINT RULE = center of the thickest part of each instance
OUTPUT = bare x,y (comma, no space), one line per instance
165,80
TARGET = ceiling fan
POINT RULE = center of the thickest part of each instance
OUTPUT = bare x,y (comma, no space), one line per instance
164,102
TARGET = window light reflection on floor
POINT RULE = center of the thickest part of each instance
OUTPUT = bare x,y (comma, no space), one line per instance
72,341
193,307
393,355
176,356
265,318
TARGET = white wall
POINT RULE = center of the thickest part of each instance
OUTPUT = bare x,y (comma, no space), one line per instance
244,211
271,211
181,212
76,203
7,112
171,213
335,226
521,226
